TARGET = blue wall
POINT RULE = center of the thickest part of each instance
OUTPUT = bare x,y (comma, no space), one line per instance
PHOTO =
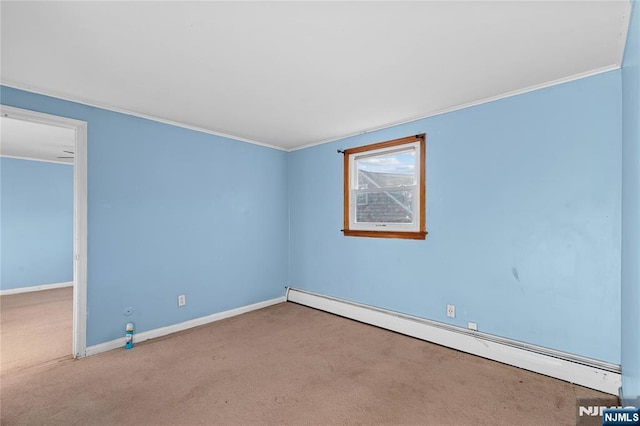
174,211
631,211
523,215
36,223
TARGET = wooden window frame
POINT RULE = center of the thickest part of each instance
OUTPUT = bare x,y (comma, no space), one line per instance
414,235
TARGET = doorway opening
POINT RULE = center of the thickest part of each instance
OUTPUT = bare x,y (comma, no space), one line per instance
77,157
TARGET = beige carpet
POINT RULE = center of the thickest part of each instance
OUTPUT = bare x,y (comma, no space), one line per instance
286,364
35,328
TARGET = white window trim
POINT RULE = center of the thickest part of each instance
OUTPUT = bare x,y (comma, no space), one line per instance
414,226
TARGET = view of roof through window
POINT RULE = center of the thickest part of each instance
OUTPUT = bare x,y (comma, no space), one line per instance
385,179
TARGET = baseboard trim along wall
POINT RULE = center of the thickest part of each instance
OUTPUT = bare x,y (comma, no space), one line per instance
29,289
591,373
163,331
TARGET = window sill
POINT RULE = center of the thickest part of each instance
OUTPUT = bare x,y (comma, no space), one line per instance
386,234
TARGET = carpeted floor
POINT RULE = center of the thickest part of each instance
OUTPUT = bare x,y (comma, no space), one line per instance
35,328
286,364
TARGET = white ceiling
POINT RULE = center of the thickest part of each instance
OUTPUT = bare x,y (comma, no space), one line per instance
292,74
25,139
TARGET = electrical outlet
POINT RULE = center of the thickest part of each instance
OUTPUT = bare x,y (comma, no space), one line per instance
451,311
472,326
182,300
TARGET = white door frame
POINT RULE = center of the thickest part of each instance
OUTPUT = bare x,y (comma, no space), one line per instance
79,216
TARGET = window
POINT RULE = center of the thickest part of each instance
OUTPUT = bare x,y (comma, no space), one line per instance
384,189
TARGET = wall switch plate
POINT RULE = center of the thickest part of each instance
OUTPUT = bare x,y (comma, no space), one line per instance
182,300
472,326
451,311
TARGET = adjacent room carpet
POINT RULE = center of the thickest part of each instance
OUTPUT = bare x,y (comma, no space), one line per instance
285,364
35,328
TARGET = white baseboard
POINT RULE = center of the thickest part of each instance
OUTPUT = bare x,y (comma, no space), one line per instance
163,331
35,288
583,371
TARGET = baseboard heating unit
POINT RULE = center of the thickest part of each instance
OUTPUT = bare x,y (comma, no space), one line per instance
591,373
